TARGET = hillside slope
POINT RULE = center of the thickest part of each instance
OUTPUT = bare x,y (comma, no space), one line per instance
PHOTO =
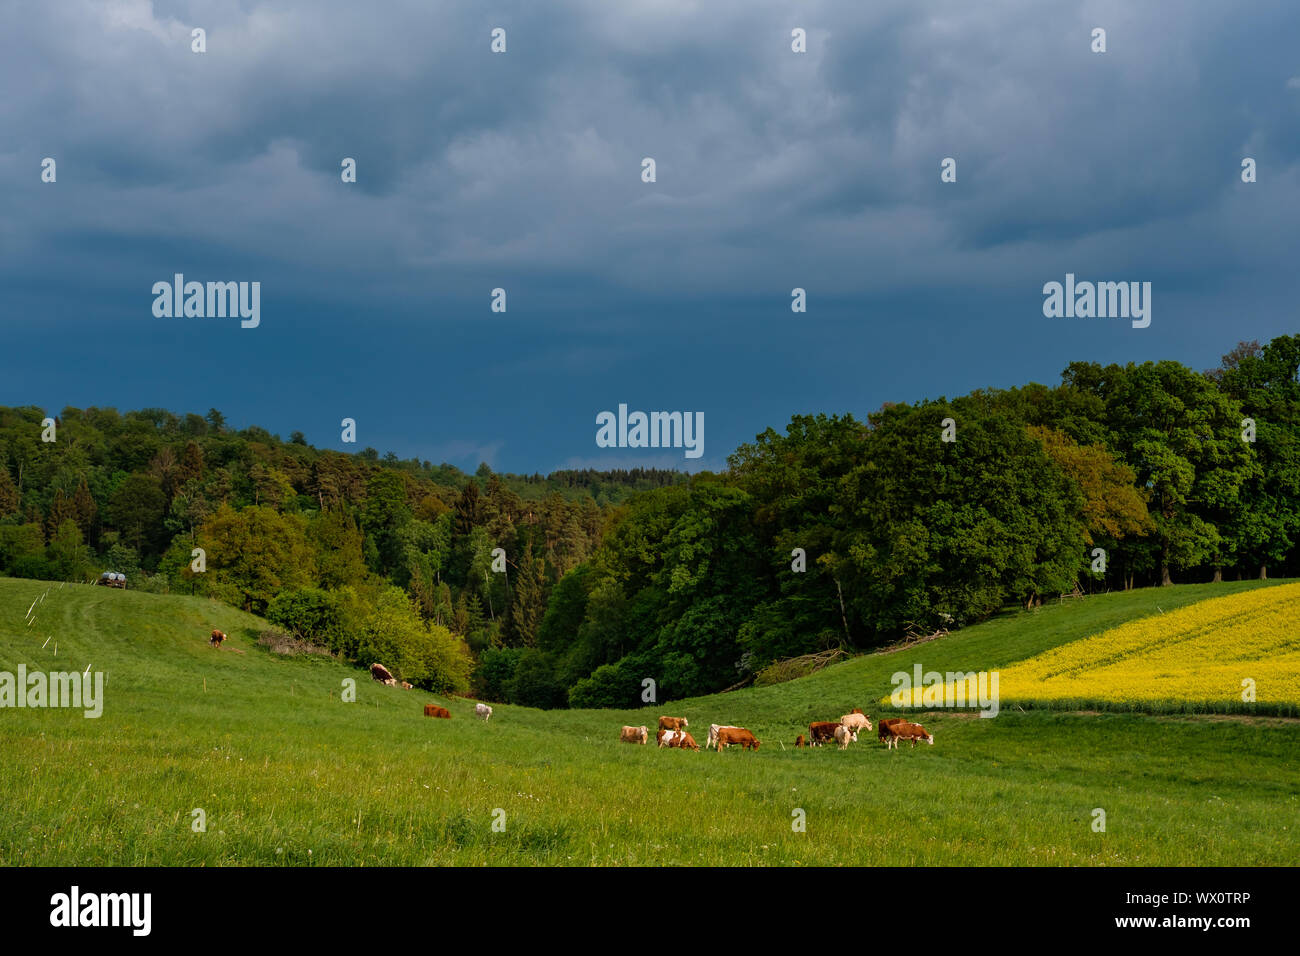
284,772
1239,653
996,644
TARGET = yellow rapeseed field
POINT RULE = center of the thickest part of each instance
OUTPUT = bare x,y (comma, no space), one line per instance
1208,655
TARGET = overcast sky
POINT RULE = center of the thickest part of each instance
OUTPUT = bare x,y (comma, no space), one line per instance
522,170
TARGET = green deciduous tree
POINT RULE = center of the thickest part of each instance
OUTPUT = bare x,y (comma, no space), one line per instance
136,509
69,557
1265,525
938,532
258,552
1182,436
429,656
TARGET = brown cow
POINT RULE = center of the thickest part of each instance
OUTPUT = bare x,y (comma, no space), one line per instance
684,741
673,723
856,710
798,741
905,731
712,740
885,724
382,674
433,710
216,638
736,735
821,732
406,686
634,735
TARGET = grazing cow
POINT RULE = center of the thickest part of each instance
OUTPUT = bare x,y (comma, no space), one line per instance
673,723
684,741
216,638
433,710
798,741
822,731
482,710
713,734
844,736
905,731
406,686
885,724
857,710
635,735
665,737
736,735
856,722
382,674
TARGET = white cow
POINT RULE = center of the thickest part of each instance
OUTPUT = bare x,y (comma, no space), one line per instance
856,722
845,735
482,710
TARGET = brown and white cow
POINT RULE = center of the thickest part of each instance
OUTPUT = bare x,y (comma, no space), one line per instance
634,735
844,736
906,731
433,710
665,737
821,732
736,735
882,729
798,741
482,710
382,674
216,638
673,723
406,686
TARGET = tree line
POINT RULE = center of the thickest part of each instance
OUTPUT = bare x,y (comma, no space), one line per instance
374,558
578,588
841,533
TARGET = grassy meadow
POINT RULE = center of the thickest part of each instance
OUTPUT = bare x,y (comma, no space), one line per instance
286,773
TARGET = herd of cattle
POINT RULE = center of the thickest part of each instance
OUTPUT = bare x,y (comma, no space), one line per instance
433,710
672,730
673,733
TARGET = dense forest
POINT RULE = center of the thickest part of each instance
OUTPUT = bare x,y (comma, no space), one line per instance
573,588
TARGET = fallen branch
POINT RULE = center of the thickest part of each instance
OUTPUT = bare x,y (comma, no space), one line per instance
792,668
913,636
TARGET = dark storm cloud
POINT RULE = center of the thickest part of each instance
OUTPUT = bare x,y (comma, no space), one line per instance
774,170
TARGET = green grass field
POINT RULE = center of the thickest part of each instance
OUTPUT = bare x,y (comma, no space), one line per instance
288,774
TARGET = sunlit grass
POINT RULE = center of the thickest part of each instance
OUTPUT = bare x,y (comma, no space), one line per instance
288,774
